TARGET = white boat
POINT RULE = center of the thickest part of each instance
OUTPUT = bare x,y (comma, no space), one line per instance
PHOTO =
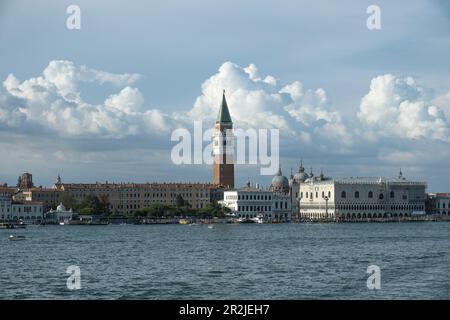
16,238
210,226
61,223
258,219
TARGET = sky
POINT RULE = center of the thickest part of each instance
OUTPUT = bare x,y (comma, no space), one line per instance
101,103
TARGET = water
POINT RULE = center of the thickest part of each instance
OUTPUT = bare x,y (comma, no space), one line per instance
284,261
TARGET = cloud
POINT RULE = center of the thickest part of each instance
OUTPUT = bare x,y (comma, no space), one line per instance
257,101
398,122
52,103
400,108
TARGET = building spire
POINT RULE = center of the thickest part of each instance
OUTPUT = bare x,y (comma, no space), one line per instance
224,114
279,173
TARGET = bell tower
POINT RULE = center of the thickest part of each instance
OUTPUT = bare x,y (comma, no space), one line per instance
223,149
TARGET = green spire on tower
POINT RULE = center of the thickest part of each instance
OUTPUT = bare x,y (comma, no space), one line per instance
224,113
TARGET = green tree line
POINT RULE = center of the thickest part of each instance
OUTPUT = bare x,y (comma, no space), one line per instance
99,205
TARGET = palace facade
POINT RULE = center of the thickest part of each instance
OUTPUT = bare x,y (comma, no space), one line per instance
323,198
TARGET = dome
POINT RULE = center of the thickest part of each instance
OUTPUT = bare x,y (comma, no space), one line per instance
280,181
60,208
301,176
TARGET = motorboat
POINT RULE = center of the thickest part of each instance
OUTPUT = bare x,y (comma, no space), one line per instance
16,238
258,219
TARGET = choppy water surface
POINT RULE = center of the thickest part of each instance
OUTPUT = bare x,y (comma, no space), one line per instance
284,261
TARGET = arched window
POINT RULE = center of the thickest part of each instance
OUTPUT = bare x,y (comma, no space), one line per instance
343,194
392,194
329,195
356,194
370,194
381,196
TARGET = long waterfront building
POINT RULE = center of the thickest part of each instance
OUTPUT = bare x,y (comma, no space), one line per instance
126,198
361,198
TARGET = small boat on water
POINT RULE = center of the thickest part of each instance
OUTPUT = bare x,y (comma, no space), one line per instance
210,226
258,219
16,238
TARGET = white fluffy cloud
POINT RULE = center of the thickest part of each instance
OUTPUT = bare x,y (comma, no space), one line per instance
53,102
399,107
395,110
261,102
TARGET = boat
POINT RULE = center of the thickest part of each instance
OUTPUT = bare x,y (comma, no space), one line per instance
20,225
183,221
16,238
246,220
258,219
61,223
210,226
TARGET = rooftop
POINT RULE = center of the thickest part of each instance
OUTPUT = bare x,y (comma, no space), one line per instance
224,114
376,180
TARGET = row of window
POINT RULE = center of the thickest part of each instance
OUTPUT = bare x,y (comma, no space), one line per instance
154,195
276,216
254,197
370,195
137,206
379,207
311,195
278,205
443,205
255,208
19,209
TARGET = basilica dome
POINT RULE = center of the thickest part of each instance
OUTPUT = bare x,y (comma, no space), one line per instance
280,182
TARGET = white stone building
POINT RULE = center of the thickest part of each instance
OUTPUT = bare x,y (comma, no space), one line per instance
361,198
439,204
251,202
27,211
61,214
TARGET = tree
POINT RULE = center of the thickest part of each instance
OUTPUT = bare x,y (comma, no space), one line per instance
104,203
87,211
92,202
142,212
69,201
181,202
